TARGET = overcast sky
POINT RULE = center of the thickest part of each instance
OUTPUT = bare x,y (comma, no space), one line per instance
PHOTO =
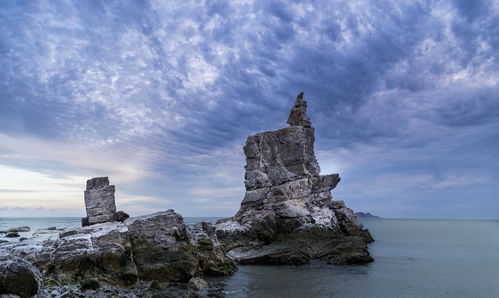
161,95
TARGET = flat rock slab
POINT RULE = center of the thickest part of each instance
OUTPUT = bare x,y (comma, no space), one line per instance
272,254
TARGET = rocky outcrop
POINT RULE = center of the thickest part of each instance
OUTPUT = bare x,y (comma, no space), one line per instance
17,277
287,214
102,250
100,202
121,251
210,253
161,247
157,248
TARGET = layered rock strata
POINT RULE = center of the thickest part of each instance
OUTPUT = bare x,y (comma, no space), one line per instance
100,202
287,214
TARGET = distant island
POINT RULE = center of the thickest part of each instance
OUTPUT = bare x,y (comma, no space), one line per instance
366,215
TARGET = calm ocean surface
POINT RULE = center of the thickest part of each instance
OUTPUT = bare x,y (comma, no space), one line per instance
414,258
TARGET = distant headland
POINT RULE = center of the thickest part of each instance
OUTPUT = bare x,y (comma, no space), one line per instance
366,215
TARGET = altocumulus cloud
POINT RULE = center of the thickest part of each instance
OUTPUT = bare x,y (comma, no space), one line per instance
161,95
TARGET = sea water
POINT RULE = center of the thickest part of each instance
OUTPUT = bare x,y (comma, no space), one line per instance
413,258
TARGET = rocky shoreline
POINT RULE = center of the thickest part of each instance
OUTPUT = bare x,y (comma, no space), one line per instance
141,256
287,216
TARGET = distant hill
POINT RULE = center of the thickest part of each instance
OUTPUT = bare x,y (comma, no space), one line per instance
366,215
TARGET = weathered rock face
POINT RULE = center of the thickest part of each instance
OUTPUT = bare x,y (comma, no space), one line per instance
99,200
101,250
287,198
276,157
100,203
161,247
156,247
298,114
211,257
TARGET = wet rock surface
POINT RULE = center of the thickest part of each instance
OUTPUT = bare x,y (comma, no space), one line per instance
212,259
287,215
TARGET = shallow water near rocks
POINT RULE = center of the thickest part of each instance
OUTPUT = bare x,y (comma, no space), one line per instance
414,258
38,225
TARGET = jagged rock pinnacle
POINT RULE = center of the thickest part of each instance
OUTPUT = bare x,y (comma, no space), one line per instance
298,114
287,215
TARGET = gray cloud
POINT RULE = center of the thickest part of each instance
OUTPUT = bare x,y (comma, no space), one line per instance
179,86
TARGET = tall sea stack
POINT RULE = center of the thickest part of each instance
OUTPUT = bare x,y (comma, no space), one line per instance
287,215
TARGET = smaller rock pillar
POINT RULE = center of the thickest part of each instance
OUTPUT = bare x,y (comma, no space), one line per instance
99,201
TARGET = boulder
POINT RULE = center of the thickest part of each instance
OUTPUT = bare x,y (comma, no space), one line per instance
19,229
165,249
120,216
288,208
197,284
18,277
161,247
84,222
89,284
12,235
101,250
211,257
